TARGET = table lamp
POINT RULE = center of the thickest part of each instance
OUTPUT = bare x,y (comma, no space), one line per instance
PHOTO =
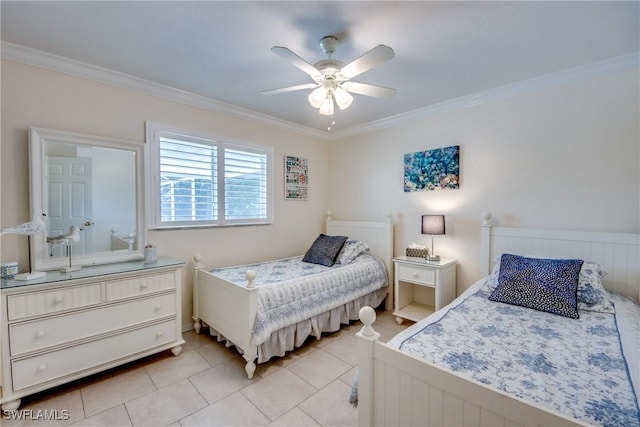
433,225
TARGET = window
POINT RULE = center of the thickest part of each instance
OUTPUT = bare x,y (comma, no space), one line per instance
197,180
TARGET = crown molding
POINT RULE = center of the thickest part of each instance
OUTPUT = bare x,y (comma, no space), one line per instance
61,64
537,84
37,58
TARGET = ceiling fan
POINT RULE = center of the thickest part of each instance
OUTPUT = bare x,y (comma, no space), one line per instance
332,78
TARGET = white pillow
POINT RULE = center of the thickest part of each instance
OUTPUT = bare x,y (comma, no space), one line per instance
350,251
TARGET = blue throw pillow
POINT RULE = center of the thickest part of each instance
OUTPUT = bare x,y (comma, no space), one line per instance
591,293
548,285
324,250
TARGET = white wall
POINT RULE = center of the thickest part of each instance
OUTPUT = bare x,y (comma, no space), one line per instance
36,97
561,158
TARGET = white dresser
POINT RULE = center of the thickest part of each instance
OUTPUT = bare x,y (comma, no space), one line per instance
69,325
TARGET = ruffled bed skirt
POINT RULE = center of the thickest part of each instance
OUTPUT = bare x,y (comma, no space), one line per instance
290,337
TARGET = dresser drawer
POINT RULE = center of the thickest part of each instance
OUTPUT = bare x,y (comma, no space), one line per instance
50,366
416,275
126,288
51,301
39,334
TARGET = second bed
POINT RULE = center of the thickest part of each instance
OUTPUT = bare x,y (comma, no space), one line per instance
266,309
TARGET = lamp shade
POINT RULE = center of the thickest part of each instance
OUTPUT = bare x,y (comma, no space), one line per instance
317,97
327,106
433,224
343,98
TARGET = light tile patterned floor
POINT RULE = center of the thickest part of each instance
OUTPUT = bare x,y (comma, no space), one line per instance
207,386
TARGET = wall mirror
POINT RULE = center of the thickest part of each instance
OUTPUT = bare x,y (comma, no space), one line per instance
94,184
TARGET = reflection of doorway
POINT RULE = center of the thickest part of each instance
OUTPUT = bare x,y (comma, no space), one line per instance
70,201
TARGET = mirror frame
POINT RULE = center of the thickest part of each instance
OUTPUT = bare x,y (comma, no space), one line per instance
38,138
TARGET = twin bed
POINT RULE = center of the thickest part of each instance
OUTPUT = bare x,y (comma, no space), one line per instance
523,359
240,306
482,360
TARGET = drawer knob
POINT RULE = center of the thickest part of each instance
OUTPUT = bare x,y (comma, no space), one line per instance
158,307
415,274
58,299
39,334
42,368
144,285
158,334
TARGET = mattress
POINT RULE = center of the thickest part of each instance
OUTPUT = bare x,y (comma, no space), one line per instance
584,368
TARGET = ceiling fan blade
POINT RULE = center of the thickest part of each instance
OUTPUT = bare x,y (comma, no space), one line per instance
287,54
368,90
375,56
290,88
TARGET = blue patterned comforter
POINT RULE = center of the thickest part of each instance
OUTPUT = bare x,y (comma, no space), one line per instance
574,366
290,290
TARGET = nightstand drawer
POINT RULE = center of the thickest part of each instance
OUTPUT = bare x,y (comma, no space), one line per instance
417,274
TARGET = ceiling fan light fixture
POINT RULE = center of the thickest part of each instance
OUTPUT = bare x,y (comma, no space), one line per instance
317,97
327,106
332,78
343,98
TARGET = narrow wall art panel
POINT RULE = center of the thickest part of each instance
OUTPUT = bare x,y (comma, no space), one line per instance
296,178
435,169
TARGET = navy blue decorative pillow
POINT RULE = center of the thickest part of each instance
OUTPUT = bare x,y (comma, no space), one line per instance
549,285
324,250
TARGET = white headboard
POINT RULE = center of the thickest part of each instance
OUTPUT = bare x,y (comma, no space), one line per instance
618,253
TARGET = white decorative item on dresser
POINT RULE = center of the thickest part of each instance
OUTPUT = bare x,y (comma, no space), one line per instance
67,326
422,287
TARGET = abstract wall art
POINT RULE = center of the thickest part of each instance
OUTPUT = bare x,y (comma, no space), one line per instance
435,169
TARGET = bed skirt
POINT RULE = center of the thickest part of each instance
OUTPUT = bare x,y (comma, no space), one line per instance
290,337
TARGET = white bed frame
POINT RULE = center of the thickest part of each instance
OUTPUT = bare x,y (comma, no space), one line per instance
230,309
398,389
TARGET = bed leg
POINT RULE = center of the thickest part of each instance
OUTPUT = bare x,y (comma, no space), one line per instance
250,367
197,325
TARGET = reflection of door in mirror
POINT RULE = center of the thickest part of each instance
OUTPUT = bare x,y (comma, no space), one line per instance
91,188
90,182
70,201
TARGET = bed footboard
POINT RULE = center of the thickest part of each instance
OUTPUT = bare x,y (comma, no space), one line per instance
398,389
228,308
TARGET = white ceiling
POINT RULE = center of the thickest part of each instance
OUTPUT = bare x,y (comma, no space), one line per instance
221,49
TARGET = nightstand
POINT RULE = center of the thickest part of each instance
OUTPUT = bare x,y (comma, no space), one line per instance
422,287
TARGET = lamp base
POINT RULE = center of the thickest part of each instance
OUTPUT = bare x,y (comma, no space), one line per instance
30,276
432,257
70,269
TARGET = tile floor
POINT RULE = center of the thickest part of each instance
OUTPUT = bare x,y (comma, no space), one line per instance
207,386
